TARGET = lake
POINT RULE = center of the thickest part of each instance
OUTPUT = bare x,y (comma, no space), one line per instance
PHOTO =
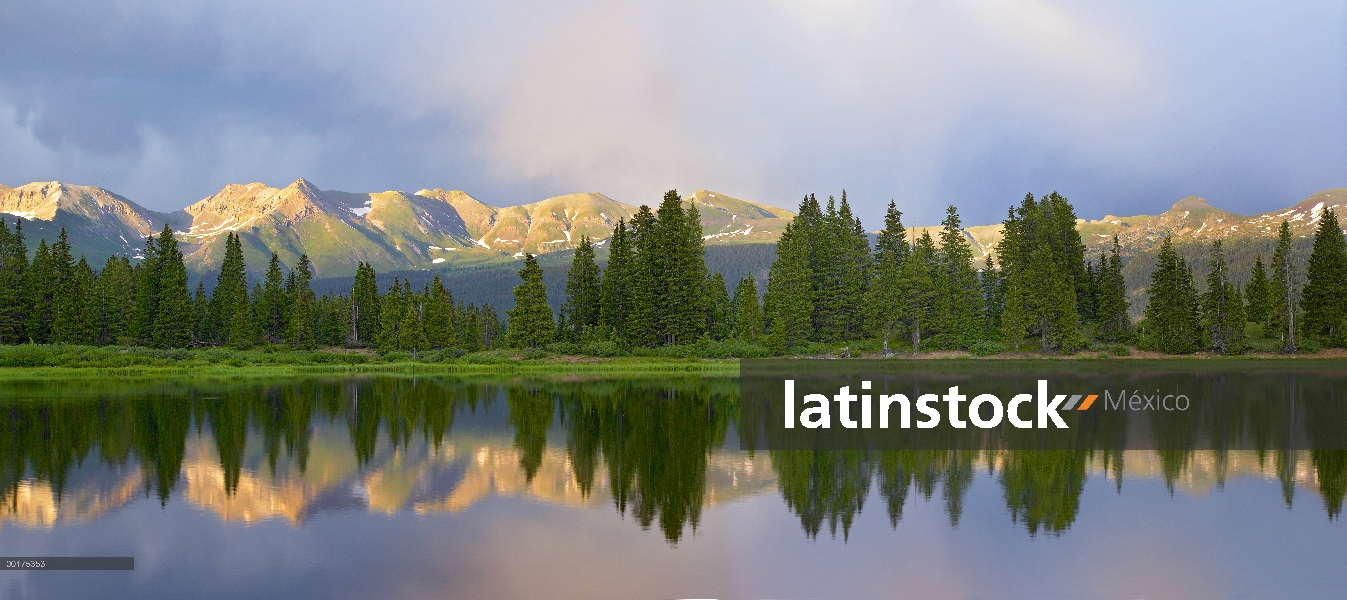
395,486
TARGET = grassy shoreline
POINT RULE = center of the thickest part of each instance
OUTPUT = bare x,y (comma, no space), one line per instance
47,362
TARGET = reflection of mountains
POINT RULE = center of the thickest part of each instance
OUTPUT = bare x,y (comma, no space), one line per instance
422,478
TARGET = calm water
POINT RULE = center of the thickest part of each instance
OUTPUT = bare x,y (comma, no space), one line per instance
440,487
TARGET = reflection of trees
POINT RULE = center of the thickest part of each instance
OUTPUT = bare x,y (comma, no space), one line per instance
820,485
1043,487
655,440
653,437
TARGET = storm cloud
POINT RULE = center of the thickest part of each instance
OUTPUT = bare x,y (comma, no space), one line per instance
1124,107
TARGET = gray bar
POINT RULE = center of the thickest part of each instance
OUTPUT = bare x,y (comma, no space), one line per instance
67,563
1071,404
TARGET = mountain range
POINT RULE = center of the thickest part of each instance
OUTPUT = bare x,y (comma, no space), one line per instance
393,231
429,229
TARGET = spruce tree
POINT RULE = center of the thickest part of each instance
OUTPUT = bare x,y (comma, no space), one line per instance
391,308
853,271
1171,312
173,310
718,312
531,321
365,306
616,285
201,314
680,271
38,287
583,293
993,299
147,293
788,305
229,317
1324,301
885,297
1222,308
270,304
747,311
1111,305
117,285
1285,297
1036,232
13,265
919,285
301,301
439,316
1259,293
411,330
68,300
642,311
959,300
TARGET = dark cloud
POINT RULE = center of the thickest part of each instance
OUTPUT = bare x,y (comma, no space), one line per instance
1124,107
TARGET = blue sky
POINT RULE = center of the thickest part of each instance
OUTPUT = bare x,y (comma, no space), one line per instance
1124,107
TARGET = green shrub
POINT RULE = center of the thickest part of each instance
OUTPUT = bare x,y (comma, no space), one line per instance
987,348
604,348
1120,350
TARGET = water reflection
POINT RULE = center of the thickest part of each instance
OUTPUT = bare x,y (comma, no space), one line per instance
657,451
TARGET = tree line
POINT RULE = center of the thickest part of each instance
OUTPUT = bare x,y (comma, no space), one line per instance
924,292
53,298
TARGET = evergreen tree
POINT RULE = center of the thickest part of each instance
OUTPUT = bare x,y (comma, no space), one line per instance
788,305
411,329
492,328
851,272
270,305
583,293
301,300
959,300
1111,306
747,312
1324,301
1259,293
230,318
1171,313
919,285
391,308
439,316
365,306
1035,233
13,265
680,268
616,285
993,299
1285,296
201,313
173,311
718,312
69,299
531,322
1222,308
885,298
38,283
147,293
117,285
640,326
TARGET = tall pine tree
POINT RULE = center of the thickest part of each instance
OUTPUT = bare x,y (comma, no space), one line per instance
788,305
173,310
747,311
583,293
1258,293
1285,296
1324,302
531,322
616,289
1222,308
1171,313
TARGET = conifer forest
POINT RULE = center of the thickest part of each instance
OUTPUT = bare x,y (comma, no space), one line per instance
907,293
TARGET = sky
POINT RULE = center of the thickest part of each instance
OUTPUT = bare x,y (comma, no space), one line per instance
1123,107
